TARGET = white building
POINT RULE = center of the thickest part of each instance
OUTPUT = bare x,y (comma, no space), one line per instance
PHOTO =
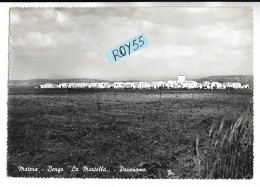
129,85
62,85
236,85
215,85
246,86
192,85
180,83
118,85
181,79
160,84
48,85
228,85
171,84
141,85
72,85
79,85
225,85
86,85
189,84
206,84
93,85
103,85
147,85
154,85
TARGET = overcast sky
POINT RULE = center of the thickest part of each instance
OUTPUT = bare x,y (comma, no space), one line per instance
72,43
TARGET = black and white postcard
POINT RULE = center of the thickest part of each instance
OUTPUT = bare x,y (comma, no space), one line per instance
131,92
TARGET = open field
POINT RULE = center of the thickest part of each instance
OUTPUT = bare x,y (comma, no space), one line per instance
152,129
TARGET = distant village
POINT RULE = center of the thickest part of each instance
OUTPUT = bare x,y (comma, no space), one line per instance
180,83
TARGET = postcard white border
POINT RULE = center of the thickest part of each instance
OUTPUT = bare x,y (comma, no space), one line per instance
7,181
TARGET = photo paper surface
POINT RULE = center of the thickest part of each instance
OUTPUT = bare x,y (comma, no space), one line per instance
180,108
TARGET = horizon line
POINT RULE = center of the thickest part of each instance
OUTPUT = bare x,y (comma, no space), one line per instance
115,80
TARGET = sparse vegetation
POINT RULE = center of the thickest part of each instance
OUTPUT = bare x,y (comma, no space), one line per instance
152,129
229,150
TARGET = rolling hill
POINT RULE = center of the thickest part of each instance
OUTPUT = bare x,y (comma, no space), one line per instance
37,82
243,79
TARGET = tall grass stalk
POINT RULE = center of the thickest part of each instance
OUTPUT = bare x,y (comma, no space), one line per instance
198,156
229,151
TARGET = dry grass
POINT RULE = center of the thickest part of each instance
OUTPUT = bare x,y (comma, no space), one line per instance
229,151
112,128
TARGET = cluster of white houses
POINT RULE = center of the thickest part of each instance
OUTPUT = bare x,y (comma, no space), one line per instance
180,83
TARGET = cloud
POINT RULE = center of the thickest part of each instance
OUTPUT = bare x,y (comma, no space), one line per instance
35,40
72,42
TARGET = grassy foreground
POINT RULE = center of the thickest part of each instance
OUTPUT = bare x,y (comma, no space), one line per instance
164,131
229,152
